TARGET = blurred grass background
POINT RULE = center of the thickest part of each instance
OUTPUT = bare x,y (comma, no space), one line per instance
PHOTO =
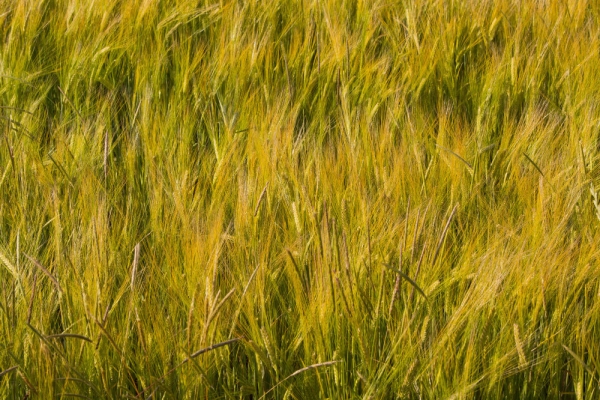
204,199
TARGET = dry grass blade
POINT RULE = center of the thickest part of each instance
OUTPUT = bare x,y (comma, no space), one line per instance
69,101
295,264
30,309
246,287
298,372
217,308
10,152
8,370
408,279
16,109
103,322
45,271
580,361
488,148
69,335
534,164
443,235
62,169
250,280
106,311
109,337
136,259
419,263
468,164
539,170
105,156
260,199
400,263
314,366
27,381
213,347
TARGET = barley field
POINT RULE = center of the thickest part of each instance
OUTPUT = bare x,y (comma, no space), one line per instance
299,199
